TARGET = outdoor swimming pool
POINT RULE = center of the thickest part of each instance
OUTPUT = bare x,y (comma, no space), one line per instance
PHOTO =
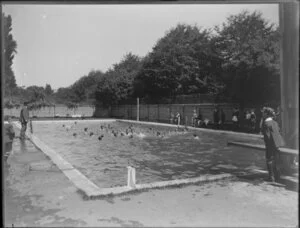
158,153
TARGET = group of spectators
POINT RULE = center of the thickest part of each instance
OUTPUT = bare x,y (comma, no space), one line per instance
250,121
264,120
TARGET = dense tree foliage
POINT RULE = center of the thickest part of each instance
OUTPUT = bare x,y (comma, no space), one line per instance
182,62
249,46
85,87
83,90
48,90
117,84
9,50
238,60
37,98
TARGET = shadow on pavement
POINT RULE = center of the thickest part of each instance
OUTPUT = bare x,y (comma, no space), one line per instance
289,183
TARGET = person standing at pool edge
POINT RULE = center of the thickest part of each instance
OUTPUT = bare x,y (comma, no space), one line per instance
273,141
24,118
178,117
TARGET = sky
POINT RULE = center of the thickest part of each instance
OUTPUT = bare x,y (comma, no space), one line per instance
58,44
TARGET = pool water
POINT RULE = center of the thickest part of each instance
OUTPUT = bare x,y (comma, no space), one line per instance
158,153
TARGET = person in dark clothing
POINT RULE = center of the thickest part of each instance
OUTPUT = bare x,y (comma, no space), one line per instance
273,141
178,118
235,119
9,135
199,119
194,118
247,120
258,120
223,118
252,120
24,119
278,116
216,117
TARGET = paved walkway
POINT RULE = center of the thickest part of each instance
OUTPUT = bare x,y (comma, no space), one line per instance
47,198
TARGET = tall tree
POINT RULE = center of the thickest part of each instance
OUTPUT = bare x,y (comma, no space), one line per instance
182,62
83,90
37,92
117,84
48,90
249,46
10,48
38,98
65,95
86,85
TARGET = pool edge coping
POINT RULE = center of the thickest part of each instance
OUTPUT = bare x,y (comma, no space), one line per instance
74,175
160,184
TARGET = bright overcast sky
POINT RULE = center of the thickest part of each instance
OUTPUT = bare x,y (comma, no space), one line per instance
58,44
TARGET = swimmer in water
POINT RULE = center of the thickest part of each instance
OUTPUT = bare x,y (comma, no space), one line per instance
196,136
74,134
100,137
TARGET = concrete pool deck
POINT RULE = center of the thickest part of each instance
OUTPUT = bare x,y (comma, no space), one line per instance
48,198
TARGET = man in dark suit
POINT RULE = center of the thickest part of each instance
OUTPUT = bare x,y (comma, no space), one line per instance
216,116
273,141
24,119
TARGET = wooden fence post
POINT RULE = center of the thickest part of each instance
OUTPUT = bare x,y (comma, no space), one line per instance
170,111
138,109
148,112
183,114
157,112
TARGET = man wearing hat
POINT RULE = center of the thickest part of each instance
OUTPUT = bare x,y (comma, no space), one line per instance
24,118
273,141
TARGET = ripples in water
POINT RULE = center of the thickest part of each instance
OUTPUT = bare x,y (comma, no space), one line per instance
177,155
